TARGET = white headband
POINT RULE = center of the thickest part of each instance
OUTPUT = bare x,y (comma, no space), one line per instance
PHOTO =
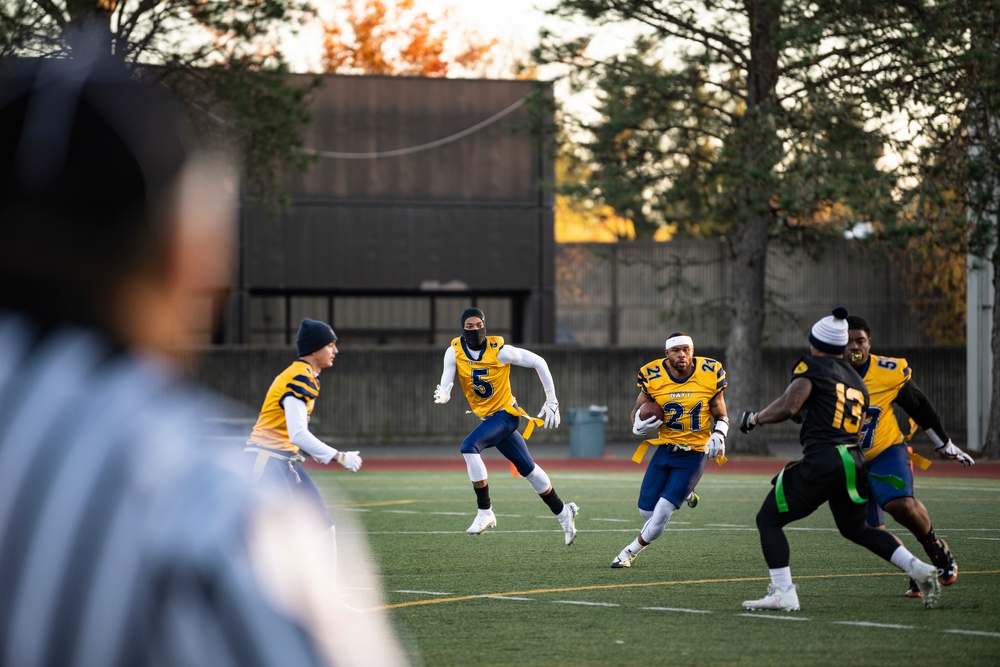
677,341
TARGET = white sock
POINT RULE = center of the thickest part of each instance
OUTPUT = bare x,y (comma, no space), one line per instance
635,547
485,512
781,578
903,559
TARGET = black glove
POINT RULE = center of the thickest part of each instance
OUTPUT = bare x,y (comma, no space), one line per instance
748,421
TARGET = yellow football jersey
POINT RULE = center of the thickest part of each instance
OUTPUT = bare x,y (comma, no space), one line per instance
271,430
486,382
687,419
884,378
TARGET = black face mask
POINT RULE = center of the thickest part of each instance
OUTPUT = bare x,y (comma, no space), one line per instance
475,338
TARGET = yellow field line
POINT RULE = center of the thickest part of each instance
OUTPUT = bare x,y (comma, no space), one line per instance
538,591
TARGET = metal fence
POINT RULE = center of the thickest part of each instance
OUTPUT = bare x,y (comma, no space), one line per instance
630,293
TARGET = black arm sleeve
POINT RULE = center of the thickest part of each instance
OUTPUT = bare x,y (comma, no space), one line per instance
919,407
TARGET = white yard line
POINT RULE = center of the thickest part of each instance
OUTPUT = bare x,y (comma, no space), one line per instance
866,624
975,633
506,597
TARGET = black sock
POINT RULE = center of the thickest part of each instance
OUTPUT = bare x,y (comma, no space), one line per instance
928,540
483,497
554,502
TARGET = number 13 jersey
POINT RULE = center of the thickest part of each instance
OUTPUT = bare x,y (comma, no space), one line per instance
835,409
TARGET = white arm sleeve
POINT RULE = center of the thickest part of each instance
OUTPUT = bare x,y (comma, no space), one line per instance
448,374
527,359
298,431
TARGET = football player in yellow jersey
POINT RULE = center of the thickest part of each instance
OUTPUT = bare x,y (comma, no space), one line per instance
483,366
690,391
890,473
282,429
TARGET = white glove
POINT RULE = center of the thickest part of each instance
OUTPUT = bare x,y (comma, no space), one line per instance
350,460
443,394
747,421
949,450
550,413
644,426
716,445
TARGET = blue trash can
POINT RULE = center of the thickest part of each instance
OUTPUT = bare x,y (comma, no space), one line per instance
586,431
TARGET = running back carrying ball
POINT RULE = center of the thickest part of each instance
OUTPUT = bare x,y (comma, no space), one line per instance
650,409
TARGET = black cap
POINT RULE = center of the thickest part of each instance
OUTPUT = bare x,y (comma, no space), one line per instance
313,335
472,312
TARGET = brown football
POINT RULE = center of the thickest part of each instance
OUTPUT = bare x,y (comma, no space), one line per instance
650,409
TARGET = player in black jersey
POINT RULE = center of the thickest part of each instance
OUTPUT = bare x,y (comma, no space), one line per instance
830,398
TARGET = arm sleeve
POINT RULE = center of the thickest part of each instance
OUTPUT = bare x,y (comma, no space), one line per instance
919,407
298,431
519,357
448,373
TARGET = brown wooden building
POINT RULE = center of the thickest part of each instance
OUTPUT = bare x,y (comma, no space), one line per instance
427,196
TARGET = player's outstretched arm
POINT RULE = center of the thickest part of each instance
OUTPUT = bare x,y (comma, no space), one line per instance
920,408
296,418
527,359
442,393
784,407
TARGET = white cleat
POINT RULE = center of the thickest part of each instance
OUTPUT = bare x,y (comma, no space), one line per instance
777,600
567,519
926,576
625,558
485,519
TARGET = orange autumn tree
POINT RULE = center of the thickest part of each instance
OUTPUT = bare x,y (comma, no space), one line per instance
376,37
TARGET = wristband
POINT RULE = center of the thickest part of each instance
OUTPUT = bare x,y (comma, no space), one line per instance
722,426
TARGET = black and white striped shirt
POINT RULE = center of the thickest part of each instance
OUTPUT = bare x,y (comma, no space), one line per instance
122,541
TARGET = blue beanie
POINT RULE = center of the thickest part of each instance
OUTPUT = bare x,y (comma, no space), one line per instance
313,335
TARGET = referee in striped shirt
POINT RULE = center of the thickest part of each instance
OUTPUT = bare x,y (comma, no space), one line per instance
123,541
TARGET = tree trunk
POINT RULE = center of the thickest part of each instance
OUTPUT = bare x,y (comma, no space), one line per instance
743,347
88,30
754,187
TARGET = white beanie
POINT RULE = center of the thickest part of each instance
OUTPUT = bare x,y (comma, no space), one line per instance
830,333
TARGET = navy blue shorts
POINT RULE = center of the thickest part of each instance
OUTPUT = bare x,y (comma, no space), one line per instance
892,463
500,430
671,475
287,477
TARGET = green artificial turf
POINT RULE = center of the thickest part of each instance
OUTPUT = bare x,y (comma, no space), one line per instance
518,596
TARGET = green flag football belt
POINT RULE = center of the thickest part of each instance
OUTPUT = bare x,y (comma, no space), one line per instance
850,474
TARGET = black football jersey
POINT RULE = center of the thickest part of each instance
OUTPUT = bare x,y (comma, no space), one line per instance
835,410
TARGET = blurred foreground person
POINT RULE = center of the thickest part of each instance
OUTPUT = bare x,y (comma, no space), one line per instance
123,541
